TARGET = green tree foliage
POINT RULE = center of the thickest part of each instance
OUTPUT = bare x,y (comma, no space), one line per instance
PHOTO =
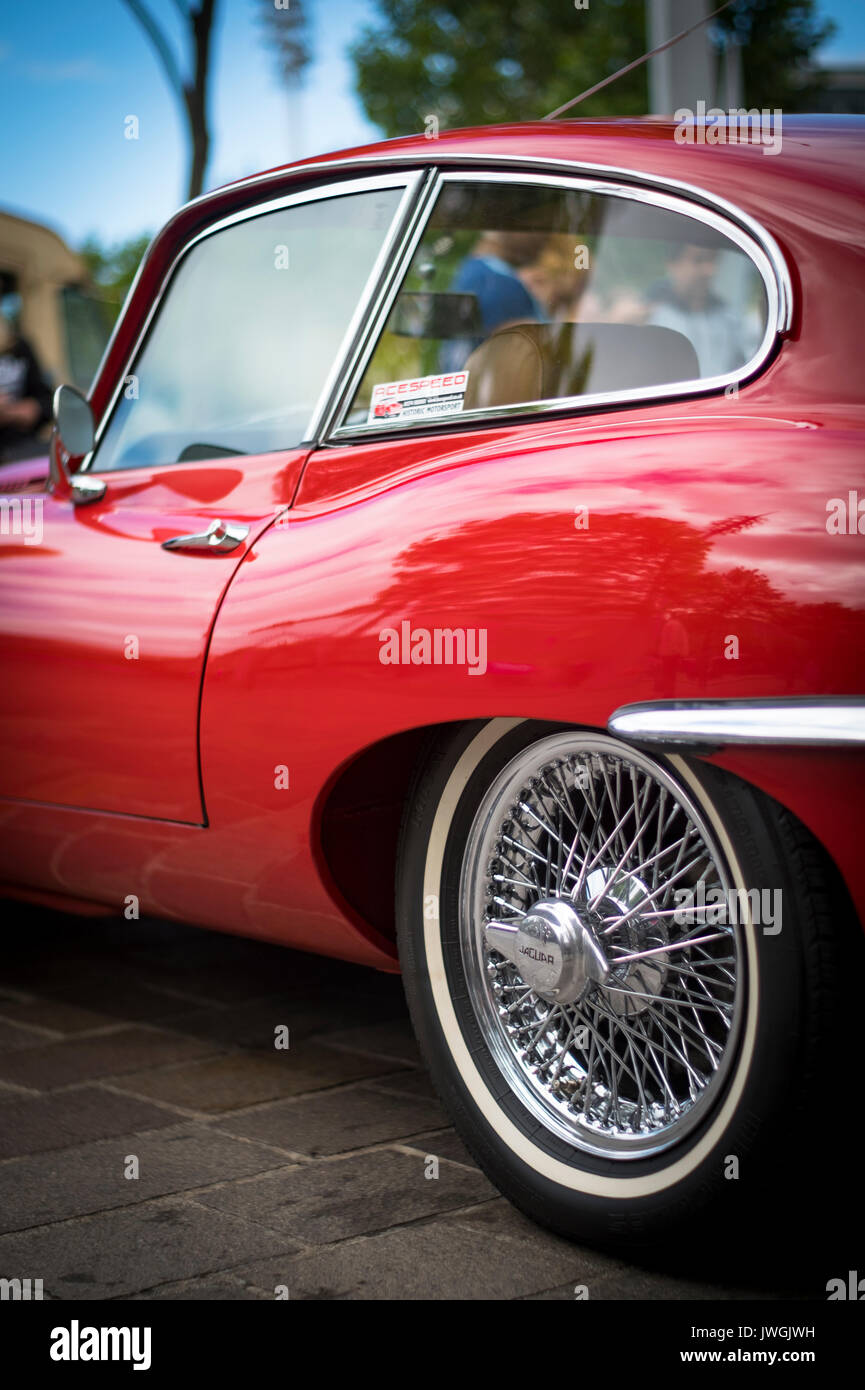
779,39
285,29
473,62
112,270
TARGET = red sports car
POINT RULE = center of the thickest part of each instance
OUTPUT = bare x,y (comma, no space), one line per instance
458,568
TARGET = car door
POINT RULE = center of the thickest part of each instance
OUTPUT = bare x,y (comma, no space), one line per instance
106,608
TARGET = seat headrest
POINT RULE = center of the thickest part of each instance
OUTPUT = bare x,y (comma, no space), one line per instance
546,361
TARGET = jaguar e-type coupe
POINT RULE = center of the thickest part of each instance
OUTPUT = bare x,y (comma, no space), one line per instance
458,567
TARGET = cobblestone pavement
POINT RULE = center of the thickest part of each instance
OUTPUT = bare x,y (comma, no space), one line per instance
257,1167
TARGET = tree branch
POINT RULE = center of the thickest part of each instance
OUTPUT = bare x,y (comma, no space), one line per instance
161,45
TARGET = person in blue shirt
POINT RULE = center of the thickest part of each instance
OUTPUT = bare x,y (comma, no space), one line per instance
491,274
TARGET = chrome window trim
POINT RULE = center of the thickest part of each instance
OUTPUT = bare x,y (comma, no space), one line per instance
414,160
813,721
491,159
380,309
777,315
410,180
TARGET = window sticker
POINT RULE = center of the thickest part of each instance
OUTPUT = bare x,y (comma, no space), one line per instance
418,398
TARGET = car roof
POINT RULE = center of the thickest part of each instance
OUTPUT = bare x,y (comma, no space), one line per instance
642,144
816,181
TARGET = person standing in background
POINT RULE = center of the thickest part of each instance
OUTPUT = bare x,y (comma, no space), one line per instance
686,301
492,274
25,397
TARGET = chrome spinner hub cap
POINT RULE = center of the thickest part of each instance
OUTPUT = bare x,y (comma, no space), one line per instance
556,950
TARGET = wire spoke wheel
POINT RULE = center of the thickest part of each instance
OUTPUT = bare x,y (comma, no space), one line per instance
602,962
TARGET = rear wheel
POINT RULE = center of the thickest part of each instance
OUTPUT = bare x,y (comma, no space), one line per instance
619,967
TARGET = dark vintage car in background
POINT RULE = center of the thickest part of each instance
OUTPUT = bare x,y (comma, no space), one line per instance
458,568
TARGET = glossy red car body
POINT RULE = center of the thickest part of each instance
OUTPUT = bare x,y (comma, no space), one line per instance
159,777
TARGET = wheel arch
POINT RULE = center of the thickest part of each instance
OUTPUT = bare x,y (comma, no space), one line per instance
358,816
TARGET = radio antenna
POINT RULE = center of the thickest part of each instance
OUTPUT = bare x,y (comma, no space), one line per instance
614,77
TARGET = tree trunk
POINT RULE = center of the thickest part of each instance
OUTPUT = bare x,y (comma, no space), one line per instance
196,98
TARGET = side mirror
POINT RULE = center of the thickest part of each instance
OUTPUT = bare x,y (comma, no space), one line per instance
73,421
74,436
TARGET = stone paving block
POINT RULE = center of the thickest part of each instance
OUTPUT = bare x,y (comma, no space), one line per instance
212,982
434,1260
129,1251
220,1288
57,1015
408,1083
628,1283
329,1201
14,1036
271,1191
35,1124
251,1024
502,1221
231,1083
446,1145
338,1121
566,1293
91,1177
620,1275
72,1060
504,1227
93,986
391,1039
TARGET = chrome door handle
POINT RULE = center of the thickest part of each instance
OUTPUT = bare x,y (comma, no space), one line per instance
219,537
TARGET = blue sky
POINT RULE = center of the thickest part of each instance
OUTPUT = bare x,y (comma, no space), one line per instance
72,70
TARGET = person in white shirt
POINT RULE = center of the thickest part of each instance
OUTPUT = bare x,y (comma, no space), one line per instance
686,302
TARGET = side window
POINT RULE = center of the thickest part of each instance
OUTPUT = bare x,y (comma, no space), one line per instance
86,333
248,333
523,292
